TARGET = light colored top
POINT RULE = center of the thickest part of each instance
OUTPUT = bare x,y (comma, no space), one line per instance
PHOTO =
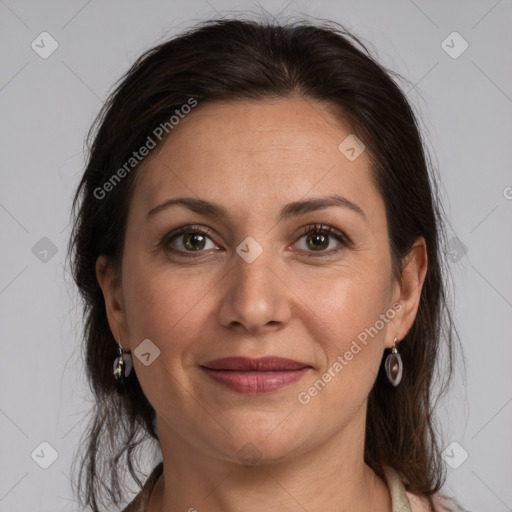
401,500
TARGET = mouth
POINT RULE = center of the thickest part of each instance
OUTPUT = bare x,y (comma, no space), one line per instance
255,376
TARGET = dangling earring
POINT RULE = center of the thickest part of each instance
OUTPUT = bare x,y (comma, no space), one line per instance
122,366
394,366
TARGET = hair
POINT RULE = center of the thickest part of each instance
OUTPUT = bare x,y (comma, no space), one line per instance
244,59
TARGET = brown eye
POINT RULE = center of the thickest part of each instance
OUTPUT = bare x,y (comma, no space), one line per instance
187,240
318,238
317,241
194,241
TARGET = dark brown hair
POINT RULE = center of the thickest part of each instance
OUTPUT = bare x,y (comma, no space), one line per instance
235,59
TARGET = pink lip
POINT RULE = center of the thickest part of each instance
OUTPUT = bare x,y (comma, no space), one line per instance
255,376
256,381
262,364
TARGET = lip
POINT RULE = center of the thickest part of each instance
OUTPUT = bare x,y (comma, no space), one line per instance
261,364
255,376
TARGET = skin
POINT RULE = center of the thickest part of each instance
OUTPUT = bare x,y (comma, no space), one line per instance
253,158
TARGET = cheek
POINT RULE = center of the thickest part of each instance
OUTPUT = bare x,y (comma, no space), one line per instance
353,309
169,306
349,302
159,303
163,307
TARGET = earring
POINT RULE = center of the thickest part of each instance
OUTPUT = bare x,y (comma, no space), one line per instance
122,366
394,366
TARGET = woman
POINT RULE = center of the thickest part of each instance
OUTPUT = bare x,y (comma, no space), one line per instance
257,240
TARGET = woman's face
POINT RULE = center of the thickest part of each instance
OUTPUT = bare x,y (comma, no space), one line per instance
259,281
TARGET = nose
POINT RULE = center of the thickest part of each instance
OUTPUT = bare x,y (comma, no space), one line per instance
255,298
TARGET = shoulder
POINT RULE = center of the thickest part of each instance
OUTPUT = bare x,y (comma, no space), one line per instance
419,503
404,501
441,503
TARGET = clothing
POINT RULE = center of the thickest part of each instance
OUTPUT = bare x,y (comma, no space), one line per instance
402,501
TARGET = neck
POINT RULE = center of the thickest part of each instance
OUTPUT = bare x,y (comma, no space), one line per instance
328,477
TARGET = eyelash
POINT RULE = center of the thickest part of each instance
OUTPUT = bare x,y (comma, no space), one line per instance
310,229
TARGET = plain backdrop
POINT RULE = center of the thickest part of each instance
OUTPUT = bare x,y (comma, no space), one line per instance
464,97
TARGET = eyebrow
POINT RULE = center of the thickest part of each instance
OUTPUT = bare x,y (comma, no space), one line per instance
290,210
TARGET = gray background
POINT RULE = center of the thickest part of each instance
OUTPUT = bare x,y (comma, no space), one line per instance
47,106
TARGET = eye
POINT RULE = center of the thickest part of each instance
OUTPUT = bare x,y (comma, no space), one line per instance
188,240
318,238
191,241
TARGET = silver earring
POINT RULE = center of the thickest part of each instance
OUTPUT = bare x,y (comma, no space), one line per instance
394,366
122,366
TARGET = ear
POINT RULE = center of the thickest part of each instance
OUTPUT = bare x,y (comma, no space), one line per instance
408,290
109,280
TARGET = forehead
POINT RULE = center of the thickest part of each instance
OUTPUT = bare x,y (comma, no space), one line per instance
256,155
